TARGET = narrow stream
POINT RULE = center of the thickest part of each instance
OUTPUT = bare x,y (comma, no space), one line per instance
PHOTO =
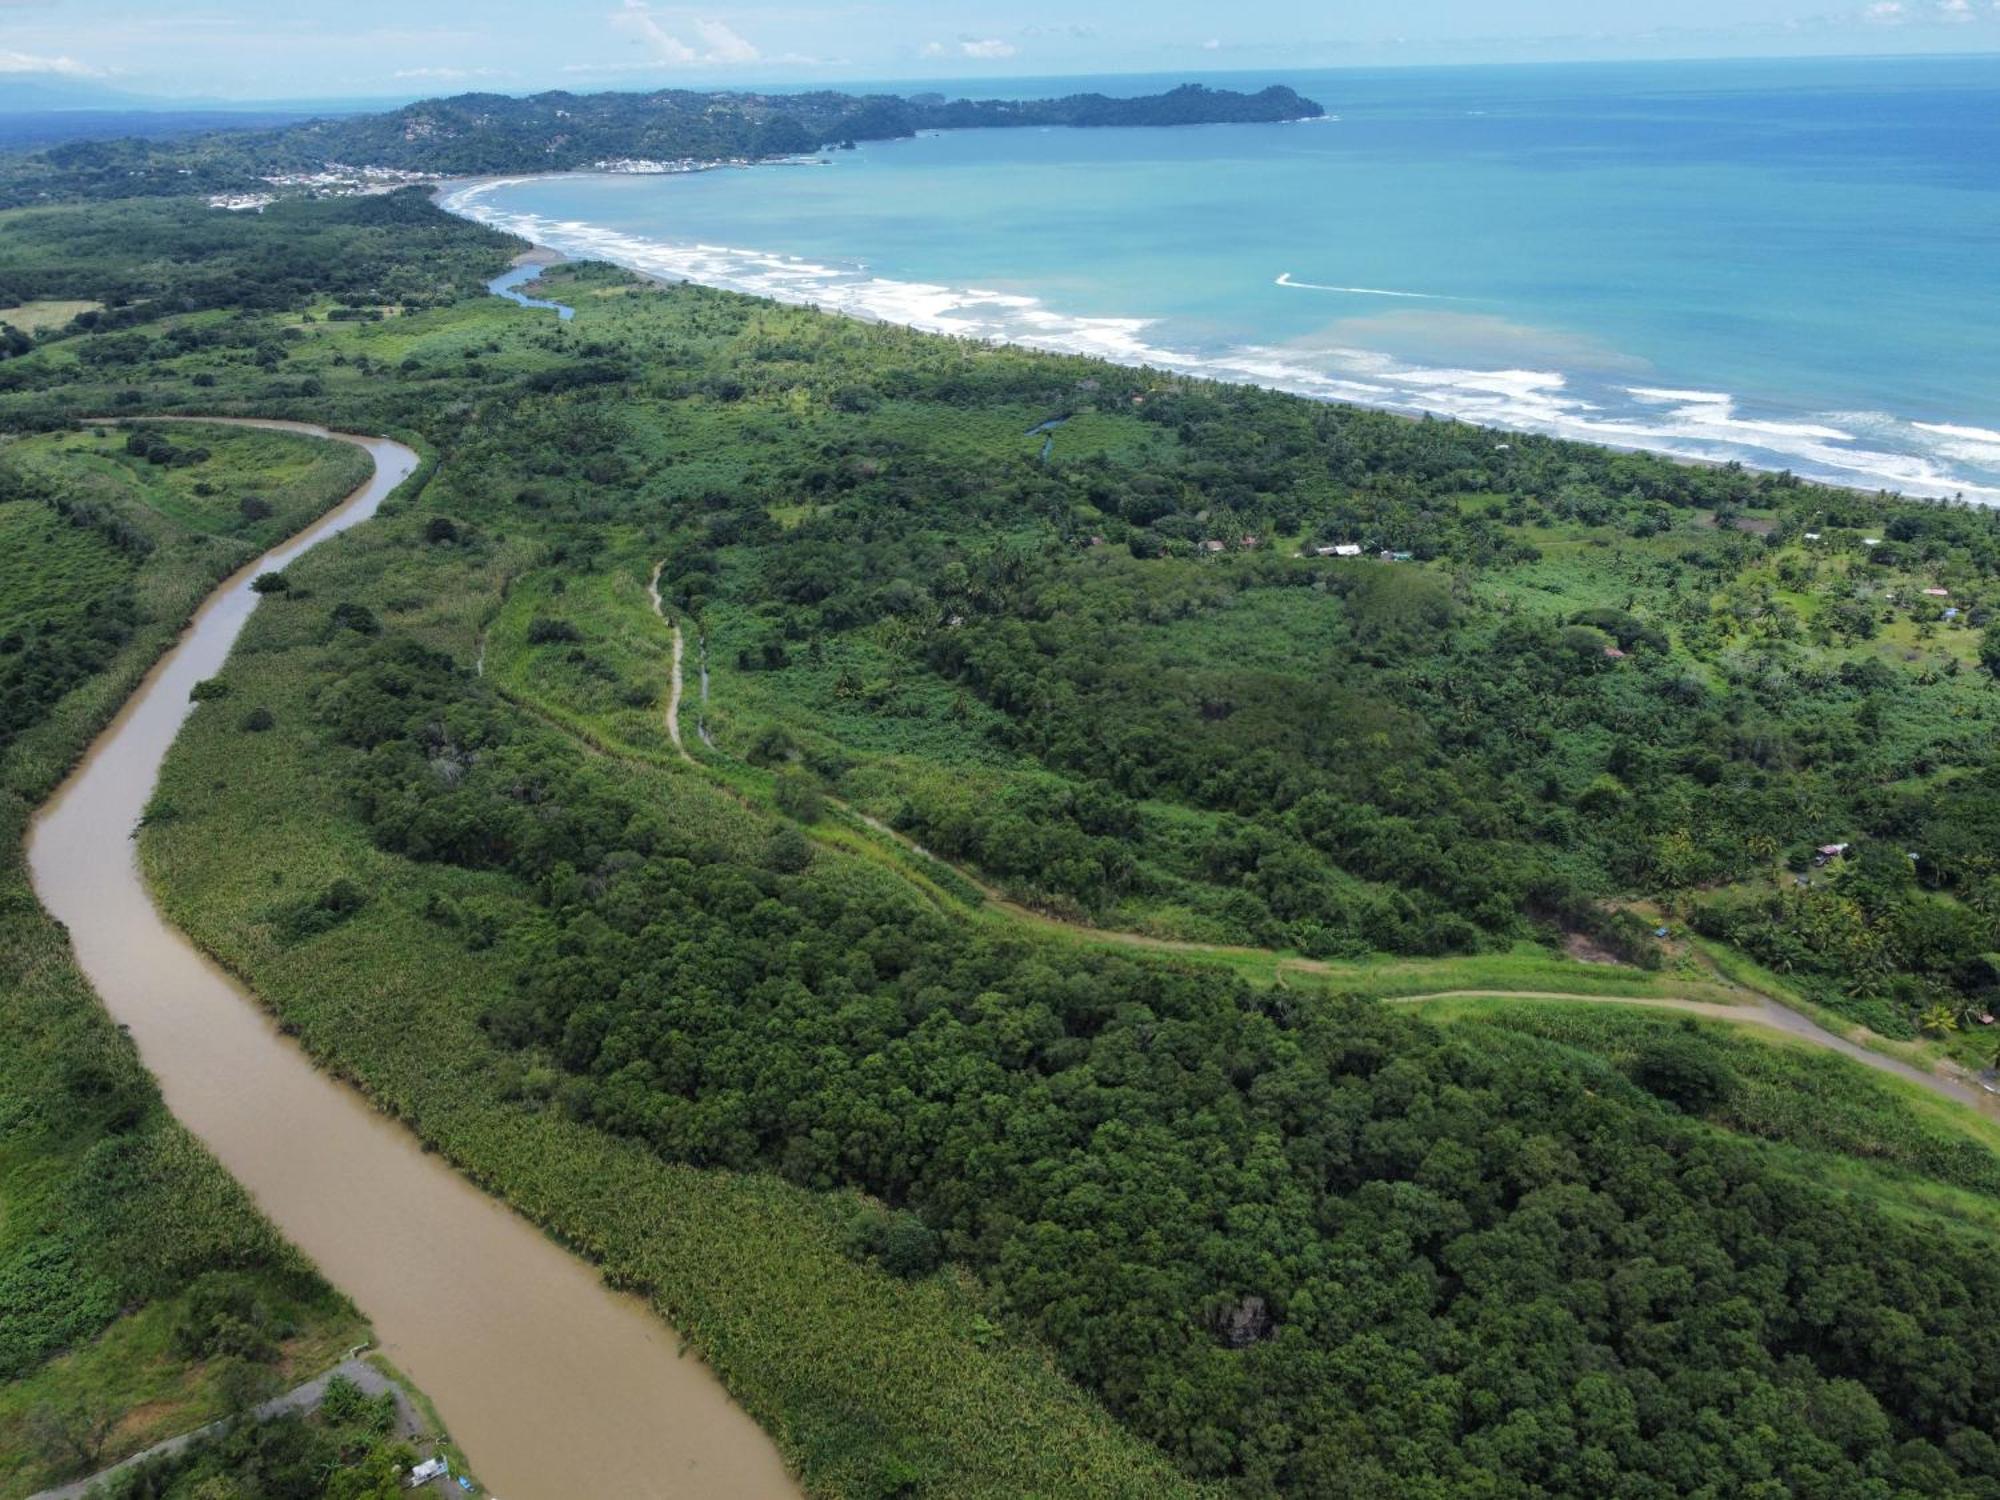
556,1386
507,285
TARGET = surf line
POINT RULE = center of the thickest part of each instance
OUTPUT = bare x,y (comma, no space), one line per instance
1285,279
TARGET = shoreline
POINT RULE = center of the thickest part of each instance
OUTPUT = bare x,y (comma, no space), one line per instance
1115,340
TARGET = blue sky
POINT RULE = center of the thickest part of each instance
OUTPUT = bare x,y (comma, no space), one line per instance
268,49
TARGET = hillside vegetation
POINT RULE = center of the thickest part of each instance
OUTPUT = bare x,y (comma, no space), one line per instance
561,131
962,1203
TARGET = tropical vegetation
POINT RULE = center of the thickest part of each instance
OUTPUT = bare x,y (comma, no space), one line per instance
997,1168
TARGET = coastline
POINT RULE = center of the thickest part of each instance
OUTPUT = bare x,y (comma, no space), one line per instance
1693,427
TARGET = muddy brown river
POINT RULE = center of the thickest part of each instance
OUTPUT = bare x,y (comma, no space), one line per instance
556,1386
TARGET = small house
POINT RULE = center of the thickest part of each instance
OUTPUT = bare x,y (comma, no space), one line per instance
1952,613
1937,593
1871,541
1347,549
1827,853
1212,545
1250,542
425,1472
1389,556
1812,536
1614,653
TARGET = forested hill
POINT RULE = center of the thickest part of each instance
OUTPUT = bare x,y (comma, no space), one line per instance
494,132
475,133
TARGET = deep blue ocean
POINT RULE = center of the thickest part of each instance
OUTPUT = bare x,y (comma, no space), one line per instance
1795,264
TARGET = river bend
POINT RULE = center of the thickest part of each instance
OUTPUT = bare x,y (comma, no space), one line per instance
556,1386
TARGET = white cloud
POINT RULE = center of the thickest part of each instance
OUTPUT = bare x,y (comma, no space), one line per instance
720,46
445,75
1213,44
1887,12
1955,10
28,62
724,45
987,48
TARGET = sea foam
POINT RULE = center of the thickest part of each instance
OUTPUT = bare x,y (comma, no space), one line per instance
1865,450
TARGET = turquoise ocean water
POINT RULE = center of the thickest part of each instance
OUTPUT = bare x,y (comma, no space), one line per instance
1793,264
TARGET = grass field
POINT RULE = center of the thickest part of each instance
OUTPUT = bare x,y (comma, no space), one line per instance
33,317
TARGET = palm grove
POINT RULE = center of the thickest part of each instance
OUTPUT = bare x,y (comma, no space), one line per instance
1297,1242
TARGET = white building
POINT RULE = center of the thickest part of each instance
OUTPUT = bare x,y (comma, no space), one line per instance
425,1472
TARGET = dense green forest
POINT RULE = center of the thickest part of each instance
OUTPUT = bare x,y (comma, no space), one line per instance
560,131
1292,1240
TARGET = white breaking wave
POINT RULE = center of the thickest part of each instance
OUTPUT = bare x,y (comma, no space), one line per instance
1716,411
1915,458
1652,394
1970,434
1969,445
1285,279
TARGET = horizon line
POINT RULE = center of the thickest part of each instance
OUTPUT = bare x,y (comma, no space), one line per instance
141,102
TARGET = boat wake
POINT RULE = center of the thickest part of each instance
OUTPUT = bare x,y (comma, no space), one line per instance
1285,279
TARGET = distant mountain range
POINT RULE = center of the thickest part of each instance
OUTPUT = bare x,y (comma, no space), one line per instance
472,134
39,110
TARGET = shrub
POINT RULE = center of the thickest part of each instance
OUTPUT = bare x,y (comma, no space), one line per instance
543,630
356,617
1682,1071
269,583
798,797
788,853
224,1318
334,905
258,720
897,1240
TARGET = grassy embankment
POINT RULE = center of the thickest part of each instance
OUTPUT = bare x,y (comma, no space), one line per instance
866,1380
110,1213
1815,1114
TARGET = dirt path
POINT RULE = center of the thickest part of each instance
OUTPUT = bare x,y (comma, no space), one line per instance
1759,1010
674,682
306,1397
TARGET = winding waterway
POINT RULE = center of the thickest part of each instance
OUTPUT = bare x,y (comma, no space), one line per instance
555,1385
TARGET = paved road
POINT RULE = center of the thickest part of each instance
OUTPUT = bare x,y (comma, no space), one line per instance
306,1397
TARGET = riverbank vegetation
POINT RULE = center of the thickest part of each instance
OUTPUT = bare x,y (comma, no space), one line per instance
140,1291
349,1446
959,1206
